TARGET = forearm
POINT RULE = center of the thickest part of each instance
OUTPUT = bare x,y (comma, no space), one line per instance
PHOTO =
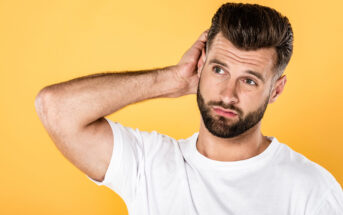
83,100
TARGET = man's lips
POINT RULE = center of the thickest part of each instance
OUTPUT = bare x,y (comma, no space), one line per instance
225,110
225,113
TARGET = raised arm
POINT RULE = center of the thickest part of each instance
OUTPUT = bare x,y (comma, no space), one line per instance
73,112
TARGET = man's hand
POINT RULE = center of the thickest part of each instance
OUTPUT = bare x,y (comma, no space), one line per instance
186,69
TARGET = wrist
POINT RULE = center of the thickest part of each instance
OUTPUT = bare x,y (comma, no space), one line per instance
175,86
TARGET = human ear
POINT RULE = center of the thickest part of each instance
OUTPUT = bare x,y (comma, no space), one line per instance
278,88
201,61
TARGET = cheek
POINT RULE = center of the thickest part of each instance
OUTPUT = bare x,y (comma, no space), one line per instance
251,101
211,85
208,91
208,84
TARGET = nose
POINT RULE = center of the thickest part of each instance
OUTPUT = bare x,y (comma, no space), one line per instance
229,92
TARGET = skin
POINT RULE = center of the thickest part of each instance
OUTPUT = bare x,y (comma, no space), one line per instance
231,87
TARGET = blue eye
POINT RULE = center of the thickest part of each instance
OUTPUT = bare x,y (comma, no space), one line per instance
217,69
250,82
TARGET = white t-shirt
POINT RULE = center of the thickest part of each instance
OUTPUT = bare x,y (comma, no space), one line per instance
158,175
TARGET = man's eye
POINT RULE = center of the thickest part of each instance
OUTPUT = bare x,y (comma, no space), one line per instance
217,69
250,82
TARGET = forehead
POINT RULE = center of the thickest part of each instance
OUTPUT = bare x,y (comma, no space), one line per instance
260,60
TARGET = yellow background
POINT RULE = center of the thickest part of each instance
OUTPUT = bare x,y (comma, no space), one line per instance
45,42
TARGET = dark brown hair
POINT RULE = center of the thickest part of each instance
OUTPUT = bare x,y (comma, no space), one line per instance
252,26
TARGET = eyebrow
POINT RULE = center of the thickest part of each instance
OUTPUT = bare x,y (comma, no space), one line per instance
256,74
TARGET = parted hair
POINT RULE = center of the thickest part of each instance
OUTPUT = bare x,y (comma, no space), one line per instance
253,26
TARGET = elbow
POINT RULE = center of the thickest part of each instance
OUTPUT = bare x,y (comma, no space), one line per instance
41,102
38,99
51,111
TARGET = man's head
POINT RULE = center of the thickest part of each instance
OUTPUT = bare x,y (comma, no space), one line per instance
248,47
251,27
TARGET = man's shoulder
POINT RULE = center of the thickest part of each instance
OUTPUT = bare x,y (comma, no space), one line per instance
311,182
303,170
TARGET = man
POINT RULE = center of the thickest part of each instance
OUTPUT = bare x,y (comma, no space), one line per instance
229,166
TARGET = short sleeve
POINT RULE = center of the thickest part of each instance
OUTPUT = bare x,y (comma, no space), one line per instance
332,203
126,162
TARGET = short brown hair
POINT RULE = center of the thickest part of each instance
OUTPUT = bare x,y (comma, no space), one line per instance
252,26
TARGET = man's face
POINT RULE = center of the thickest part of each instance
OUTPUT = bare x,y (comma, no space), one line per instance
227,82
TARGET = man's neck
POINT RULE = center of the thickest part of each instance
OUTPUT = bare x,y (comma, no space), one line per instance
244,146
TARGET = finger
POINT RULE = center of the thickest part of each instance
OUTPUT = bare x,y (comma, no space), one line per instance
200,43
203,36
